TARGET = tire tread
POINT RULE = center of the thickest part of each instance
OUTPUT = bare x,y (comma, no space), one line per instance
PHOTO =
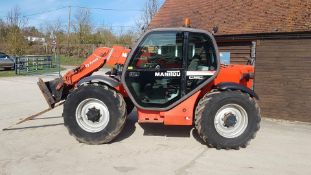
121,120
205,102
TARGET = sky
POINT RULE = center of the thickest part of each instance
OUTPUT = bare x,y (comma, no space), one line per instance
39,12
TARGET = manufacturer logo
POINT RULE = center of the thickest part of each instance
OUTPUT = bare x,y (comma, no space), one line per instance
91,62
196,77
124,54
167,74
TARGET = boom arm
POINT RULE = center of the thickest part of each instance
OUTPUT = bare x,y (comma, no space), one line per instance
56,90
100,57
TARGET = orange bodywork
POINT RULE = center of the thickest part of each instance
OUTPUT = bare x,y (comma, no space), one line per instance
234,73
100,57
183,114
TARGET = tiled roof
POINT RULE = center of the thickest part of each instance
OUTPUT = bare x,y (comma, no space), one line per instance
237,16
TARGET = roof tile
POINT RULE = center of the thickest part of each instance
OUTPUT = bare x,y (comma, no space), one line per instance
237,16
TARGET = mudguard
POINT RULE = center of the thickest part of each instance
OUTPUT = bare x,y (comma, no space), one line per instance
235,86
100,78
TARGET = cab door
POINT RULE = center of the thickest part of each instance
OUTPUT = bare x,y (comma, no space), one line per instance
169,66
155,71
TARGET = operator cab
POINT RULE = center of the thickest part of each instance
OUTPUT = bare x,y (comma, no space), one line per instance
169,65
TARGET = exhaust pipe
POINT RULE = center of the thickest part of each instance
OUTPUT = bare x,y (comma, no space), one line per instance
50,93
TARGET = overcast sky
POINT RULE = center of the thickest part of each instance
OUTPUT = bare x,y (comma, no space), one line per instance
39,11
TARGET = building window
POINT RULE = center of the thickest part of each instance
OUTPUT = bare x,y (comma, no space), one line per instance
224,57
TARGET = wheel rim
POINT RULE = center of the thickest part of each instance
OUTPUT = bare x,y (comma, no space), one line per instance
231,120
92,115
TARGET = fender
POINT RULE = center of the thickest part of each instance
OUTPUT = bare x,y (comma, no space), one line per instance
100,78
236,86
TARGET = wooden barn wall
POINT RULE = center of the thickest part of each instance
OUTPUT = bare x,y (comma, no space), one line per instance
283,78
239,51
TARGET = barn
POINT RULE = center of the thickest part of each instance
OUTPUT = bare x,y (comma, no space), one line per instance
274,34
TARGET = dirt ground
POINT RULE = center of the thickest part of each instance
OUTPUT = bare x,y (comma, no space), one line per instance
43,145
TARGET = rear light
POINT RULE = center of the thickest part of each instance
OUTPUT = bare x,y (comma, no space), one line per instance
248,76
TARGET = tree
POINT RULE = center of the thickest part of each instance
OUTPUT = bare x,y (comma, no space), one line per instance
53,27
150,10
126,38
15,18
3,35
16,43
105,36
56,28
83,26
32,31
3,30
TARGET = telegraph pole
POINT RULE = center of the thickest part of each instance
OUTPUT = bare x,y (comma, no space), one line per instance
69,23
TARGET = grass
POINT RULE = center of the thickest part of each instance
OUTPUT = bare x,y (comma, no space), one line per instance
64,60
11,73
70,61
8,73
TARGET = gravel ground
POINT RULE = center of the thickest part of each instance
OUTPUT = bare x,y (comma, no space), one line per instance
43,145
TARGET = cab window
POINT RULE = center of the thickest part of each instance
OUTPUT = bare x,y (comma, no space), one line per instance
201,60
159,51
201,53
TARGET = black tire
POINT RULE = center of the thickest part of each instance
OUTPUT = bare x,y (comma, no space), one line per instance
129,105
206,111
116,107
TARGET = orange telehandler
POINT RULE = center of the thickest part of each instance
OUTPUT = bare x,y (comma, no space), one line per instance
172,76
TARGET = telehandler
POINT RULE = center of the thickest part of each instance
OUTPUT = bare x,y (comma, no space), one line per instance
173,76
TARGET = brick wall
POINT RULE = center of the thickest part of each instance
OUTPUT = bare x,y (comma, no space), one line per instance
283,78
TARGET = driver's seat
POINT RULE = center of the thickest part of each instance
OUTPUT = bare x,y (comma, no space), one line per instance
194,64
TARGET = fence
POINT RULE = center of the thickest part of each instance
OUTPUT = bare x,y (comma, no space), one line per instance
36,64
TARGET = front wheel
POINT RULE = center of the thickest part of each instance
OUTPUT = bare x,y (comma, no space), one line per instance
94,114
228,119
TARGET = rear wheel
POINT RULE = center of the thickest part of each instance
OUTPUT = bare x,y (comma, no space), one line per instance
227,120
94,114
